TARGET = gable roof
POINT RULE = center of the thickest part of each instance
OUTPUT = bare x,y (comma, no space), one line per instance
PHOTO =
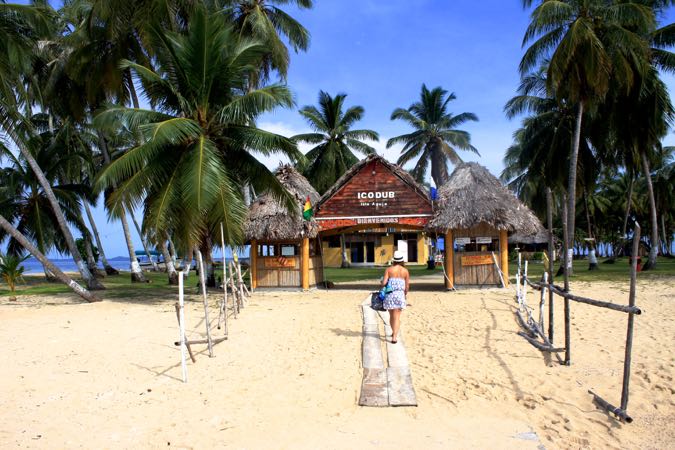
356,168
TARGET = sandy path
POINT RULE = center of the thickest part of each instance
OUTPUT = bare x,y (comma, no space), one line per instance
107,376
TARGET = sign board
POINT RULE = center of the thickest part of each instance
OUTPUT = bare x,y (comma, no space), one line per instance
477,260
483,240
279,262
462,241
376,193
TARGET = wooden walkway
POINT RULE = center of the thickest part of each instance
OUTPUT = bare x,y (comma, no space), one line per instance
390,385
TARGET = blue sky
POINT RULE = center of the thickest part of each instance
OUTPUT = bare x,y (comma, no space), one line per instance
380,52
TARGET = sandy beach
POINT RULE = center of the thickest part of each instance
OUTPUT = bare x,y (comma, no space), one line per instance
107,375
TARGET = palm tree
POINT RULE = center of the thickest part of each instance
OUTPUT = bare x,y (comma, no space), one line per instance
589,43
195,150
65,279
20,30
435,139
336,141
263,21
25,203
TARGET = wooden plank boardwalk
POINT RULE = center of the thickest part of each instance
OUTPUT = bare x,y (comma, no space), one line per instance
384,386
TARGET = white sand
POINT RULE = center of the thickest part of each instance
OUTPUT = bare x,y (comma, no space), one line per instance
108,376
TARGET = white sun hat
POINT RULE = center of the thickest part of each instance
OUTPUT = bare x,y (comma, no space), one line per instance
398,256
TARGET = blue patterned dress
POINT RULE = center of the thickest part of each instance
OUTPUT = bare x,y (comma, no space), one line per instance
396,298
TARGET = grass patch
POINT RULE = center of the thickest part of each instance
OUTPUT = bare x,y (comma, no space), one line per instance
619,271
118,287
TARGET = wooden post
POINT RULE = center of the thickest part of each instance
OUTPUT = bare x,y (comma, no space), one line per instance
202,279
223,306
181,325
235,295
504,252
449,261
629,333
254,264
551,259
304,263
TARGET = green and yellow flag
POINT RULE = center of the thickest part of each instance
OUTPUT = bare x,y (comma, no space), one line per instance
307,212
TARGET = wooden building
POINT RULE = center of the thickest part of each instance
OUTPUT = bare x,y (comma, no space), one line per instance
374,209
476,213
285,251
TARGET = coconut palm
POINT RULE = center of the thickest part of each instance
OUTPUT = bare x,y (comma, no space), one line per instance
65,279
335,141
436,137
590,44
20,31
25,203
263,21
195,150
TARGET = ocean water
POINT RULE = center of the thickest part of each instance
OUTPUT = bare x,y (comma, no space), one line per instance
33,266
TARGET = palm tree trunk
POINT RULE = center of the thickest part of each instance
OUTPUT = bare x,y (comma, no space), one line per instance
187,261
65,279
572,184
439,167
592,260
653,251
628,204
664,240
89,279
168,262
172,250
345,262
110,270
136,272
91,261
144,242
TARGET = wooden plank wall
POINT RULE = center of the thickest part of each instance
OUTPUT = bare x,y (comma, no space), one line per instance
375,177
290,277
482,275
315,270
277,277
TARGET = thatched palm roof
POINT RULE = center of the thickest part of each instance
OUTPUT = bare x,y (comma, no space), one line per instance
269,220
473,195
538,238
397,170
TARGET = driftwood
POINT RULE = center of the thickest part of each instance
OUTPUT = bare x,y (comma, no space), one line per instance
621,414
202,341
222,313
631,309
202,279
629,332
181,325
543,347
551,251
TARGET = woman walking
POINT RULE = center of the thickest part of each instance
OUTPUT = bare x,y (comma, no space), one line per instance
398,279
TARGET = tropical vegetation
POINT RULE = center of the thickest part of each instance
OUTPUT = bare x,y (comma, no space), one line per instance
335,141
435,139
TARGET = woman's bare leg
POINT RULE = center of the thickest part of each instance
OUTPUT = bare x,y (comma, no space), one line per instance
395,322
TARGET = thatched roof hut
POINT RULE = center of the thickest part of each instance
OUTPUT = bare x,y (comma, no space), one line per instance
269,220
472,195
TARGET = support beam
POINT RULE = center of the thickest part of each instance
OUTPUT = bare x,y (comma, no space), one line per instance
304,263
254,264
449,261
504,253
